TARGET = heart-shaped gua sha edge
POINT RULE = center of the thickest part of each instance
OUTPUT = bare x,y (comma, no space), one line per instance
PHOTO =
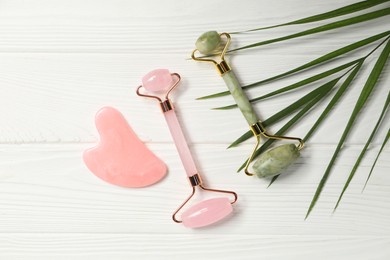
120,157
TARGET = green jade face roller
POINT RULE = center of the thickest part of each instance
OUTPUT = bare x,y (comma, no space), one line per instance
273,161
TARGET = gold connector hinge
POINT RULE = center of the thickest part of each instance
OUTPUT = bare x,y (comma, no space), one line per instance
223,67
166,105
257,128
195,180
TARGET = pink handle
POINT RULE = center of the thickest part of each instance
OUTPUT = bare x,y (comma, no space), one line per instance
180,142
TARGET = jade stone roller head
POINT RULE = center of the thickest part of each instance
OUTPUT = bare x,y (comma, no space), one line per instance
273,161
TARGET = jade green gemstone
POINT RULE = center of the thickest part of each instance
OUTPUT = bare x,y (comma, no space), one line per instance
240,97
208,42
274,161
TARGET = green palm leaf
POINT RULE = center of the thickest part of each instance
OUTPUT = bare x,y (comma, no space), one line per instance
363,152
323,28
365,93
377,156
304,104
328,15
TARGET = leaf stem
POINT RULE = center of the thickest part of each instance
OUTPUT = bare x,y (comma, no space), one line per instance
373,50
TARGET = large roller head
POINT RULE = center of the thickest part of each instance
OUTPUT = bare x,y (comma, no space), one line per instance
207,212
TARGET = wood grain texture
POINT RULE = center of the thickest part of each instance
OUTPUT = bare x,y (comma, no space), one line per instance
60,61
73,87
197,246
148,27
47,188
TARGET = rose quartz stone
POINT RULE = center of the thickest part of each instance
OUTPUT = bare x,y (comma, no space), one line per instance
120,158
157,80
207,212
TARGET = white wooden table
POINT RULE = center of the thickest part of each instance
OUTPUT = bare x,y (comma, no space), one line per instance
60,61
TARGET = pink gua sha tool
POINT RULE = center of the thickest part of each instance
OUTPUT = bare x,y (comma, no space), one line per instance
121,158
205,212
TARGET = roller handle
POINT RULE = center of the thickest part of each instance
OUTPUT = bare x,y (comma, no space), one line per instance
240,97
180,142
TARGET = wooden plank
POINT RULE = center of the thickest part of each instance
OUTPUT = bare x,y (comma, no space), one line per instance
193,245
62,61
46,188
53,98
120,26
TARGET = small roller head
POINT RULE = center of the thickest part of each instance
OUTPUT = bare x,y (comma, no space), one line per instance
208,42
157,81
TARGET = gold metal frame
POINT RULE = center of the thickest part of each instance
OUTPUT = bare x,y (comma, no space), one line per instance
196,181
259,130
221,66
165,104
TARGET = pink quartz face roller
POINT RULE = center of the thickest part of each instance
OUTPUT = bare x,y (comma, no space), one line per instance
205,212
